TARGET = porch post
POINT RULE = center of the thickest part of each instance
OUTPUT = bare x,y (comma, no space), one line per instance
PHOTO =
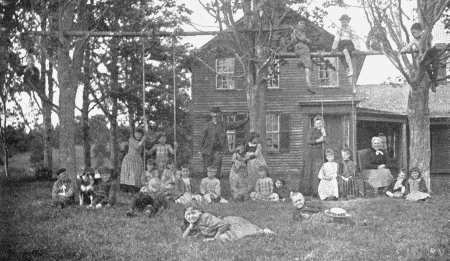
404,147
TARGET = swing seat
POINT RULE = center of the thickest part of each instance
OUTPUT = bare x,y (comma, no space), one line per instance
362,163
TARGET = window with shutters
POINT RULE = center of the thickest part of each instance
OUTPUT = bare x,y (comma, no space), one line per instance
225,74
273,132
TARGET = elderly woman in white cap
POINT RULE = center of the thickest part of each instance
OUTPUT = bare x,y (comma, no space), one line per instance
379,176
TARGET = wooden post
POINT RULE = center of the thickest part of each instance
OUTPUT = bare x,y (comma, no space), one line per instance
404,148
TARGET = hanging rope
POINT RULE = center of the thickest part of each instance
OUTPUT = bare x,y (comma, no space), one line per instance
174,99
143,93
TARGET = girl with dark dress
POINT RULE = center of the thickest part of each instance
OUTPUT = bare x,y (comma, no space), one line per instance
314,160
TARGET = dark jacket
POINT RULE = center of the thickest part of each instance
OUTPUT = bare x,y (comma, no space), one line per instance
210,131
373,160
107,190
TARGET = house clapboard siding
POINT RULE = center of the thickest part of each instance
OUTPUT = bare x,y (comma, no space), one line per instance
284,100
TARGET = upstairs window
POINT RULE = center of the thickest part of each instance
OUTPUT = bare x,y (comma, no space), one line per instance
273,76
225,74
328,72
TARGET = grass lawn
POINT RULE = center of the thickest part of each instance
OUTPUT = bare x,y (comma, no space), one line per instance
385,229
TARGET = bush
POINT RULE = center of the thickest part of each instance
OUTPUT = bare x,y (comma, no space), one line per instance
43,173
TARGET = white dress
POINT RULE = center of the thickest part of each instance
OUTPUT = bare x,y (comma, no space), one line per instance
328,188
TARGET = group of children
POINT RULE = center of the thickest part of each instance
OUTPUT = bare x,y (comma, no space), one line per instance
97,193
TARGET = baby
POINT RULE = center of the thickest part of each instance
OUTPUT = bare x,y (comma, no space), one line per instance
398,188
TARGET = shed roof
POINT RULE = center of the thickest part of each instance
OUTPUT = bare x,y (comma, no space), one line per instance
394,99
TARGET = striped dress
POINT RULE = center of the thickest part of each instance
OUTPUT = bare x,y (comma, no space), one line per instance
132,165
162,155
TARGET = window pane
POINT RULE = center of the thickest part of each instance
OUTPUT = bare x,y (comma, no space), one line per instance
328,72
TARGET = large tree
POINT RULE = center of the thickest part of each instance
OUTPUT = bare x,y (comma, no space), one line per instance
387,18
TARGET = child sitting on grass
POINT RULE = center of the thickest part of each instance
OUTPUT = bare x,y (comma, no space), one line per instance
264,186
150,197
169,177
63,192
185,187
281,190
150,172
347,176
328,186
398,188
105,195
416,188
210,187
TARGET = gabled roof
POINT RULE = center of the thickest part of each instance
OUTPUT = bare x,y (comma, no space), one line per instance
390,99
320,38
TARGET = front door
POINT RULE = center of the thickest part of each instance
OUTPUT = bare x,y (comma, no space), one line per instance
334,130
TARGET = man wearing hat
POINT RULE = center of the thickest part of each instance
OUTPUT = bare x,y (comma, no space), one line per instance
345,41
213,141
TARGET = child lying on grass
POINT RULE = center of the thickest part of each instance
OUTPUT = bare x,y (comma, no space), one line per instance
226,229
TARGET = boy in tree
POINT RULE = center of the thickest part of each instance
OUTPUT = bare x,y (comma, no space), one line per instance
431,54
346,41
301,45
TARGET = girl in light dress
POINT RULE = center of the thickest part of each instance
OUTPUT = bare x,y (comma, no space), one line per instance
328,186
196,221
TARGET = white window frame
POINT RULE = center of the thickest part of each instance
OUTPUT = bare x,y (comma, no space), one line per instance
231,134
271,132
225,74
328,72
273,76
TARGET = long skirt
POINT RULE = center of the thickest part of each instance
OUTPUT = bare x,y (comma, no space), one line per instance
309,181
239,228
328,188
347,188
415,196
378,178
132,170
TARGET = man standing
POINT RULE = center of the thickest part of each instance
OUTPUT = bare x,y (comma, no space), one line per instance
213,142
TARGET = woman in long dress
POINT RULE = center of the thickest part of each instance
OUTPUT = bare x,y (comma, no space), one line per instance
132,164
226,229
314,160
378,174
256,159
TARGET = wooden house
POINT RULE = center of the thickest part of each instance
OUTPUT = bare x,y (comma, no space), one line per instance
291,106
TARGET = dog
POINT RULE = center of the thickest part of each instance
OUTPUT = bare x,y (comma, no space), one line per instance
157,206
86,185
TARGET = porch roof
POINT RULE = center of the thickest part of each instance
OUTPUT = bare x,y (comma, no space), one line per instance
393,100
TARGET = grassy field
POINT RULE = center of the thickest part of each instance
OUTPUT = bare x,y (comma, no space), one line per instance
384,229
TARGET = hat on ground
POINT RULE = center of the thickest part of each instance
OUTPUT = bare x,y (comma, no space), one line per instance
215,110
345,18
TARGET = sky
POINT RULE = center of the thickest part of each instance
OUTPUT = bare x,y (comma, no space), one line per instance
376,69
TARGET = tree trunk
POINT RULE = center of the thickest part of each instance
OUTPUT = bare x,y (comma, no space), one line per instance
5,145
419,130
69,72
113,145
46,103
85,108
